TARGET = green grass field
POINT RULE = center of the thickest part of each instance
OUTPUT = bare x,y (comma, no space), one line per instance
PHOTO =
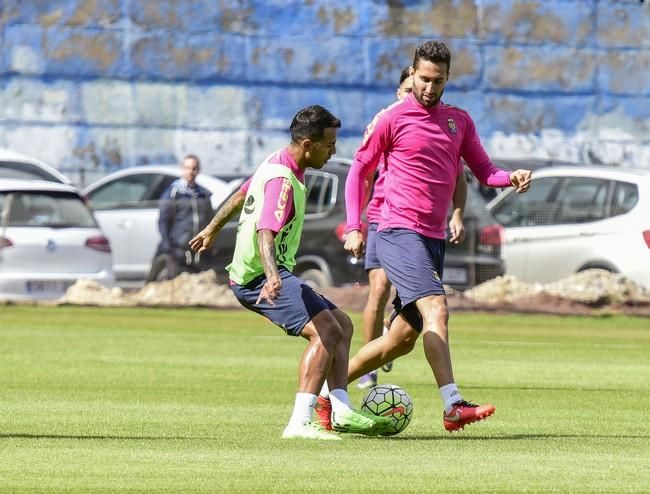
144,400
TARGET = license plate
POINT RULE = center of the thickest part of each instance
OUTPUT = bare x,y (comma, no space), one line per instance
454,275
47,286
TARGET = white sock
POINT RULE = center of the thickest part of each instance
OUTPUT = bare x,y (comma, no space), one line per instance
450,395
325,391
302,409
340,400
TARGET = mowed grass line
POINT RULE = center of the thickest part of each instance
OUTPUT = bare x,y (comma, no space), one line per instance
193,400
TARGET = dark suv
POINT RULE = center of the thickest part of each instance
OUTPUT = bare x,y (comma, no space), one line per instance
323,262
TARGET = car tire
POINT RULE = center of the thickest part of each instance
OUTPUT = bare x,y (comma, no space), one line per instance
315,278
602,266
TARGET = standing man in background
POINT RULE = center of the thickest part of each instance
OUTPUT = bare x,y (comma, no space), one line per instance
185,209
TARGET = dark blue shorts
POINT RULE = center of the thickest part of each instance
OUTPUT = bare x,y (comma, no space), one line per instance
413,263
296,305
410,313
372,261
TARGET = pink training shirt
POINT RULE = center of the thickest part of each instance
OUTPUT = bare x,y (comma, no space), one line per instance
373,210
422,148
273,189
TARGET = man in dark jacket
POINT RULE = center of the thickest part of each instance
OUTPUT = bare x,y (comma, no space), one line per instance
185,209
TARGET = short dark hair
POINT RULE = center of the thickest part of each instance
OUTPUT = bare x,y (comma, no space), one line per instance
311,122
405,73
434,52
192,157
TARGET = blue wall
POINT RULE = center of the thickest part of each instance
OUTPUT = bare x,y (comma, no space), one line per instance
100,84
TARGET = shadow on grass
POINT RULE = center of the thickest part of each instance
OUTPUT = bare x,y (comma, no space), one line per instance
517,437
408,385
450,437
19,435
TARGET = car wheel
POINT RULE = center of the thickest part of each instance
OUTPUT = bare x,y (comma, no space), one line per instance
315,278
598,266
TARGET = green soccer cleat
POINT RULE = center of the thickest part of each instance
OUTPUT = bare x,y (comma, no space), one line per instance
360,422
310,430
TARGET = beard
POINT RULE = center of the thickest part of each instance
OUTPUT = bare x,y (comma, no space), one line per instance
429,103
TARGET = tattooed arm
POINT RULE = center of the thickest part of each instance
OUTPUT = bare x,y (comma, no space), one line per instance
266,246
205,238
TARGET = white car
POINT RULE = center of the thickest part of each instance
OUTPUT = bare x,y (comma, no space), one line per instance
576,218
125,203
19,166
48,240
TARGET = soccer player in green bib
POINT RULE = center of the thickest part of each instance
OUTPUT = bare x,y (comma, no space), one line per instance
268,237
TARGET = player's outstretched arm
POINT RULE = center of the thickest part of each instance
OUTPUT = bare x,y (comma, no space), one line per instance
205,238
521,179
266,246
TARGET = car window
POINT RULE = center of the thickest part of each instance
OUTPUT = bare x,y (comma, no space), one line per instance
158,187
45,209
123,193
582,199
535,207
321,195
624,198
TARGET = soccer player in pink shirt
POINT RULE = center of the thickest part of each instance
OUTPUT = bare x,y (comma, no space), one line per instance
422,141
379,285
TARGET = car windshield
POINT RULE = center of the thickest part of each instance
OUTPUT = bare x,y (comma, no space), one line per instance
10,169
44,209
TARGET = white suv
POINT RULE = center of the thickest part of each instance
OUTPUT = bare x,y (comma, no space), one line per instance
576,218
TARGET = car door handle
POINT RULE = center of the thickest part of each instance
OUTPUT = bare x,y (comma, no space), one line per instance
517,240
125,224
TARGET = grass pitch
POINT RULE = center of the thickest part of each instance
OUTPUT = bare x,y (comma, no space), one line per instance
144,400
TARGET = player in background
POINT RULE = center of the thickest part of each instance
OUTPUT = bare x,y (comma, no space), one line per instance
379,285
422,140
268,237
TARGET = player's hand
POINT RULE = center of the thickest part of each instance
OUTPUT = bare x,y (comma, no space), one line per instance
270,290
456,228
354,244
202,242
520,180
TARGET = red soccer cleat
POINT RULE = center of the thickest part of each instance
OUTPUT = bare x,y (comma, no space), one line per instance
324,412
463,413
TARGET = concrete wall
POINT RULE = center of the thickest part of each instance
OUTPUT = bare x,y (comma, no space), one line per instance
102,84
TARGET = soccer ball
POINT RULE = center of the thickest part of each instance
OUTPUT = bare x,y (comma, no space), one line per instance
389,400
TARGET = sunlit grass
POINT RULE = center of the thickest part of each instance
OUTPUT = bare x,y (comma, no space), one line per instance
143,400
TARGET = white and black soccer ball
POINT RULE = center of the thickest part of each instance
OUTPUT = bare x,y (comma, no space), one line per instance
389,400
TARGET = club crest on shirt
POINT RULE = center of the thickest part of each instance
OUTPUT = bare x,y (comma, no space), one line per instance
452,125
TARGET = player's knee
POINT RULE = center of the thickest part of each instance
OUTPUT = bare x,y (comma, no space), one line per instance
379,288
437,313
406,344
332,335
443,313
347,327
